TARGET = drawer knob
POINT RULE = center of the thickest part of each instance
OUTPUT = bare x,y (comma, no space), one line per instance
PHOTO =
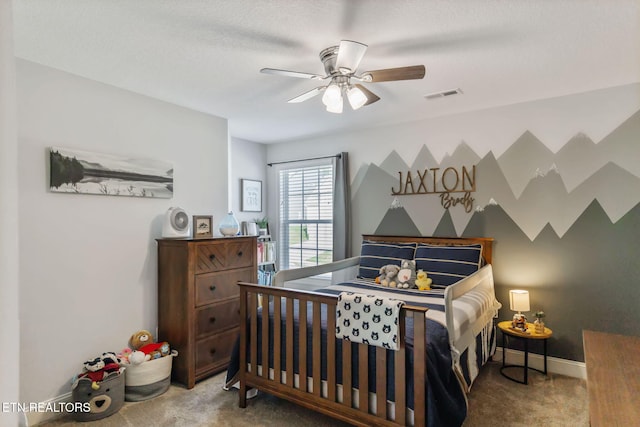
212,257
239,253
212,351
212,319
212,288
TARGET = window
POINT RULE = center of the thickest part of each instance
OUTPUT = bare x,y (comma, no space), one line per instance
306,215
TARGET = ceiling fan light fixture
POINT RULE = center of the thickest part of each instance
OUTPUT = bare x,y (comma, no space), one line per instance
335,107
332,98
356,97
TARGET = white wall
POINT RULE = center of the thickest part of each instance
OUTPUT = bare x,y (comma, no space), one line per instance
88,262
9,297
248,161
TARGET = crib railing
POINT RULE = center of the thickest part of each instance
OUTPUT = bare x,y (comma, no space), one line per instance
309,392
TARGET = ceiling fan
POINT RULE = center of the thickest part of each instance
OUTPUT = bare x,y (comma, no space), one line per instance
340,65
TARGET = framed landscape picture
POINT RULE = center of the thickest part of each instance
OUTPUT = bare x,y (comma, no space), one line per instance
251,195
84,172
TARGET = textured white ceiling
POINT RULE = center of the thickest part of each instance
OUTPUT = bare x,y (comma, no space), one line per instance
207,54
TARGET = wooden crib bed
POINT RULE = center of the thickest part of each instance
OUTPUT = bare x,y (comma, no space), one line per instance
303,362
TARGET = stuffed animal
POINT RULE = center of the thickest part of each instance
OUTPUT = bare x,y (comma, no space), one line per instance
137,357
124,355
97,369
387,275
422,281
158,350
140,339
407,274
142,342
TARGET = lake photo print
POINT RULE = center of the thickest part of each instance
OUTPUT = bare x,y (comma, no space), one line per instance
75,171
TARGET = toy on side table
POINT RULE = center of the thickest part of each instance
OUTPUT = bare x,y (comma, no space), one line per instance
519,322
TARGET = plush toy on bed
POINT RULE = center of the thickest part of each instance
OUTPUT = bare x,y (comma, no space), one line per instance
407,274
422,281
388,275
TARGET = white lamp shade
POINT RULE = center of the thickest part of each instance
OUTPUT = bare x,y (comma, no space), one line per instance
332,96
356,97
335,107
519,300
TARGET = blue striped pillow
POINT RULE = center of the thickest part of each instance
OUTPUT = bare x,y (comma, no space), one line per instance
448,264
374,255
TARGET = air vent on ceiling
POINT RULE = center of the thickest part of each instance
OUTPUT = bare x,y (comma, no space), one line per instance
444,93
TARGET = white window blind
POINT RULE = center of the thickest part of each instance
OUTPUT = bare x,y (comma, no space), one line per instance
306,216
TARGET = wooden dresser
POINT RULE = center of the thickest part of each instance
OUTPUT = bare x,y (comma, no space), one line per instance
198,300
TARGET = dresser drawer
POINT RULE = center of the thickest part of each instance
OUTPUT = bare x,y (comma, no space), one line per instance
215,287
210,257
215,350
239,254
217,317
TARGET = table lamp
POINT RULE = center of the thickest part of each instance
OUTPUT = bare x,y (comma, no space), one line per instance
519,301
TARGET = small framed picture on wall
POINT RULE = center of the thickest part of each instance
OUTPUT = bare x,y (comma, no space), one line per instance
251,195
202,226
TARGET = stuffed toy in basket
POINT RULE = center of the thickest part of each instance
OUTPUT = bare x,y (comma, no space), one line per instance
150,375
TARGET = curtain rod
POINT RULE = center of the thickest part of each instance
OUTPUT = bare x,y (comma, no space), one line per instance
304,160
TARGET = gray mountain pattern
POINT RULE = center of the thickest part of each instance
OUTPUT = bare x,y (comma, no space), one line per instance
533,185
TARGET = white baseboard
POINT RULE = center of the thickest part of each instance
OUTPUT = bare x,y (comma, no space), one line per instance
555,365
34,418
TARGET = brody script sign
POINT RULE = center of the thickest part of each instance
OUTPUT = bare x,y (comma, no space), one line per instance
445,183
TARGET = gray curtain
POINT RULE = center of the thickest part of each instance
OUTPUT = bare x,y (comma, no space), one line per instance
341,208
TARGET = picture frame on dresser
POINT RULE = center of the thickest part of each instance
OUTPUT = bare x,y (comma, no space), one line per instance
202,226
251,195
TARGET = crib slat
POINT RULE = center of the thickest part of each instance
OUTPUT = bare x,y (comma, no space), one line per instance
242,394
253,313
381,383
290,339
331,352
363,377
346,373
264,299
316,350
419,368
400,375
302,352
277,338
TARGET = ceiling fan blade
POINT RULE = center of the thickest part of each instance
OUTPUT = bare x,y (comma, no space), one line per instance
350,54
307,95
371,97
413,72
291,73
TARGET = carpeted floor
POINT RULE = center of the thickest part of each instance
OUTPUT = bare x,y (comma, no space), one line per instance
494,401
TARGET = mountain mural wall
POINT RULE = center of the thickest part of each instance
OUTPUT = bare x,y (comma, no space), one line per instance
565,223
534,186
